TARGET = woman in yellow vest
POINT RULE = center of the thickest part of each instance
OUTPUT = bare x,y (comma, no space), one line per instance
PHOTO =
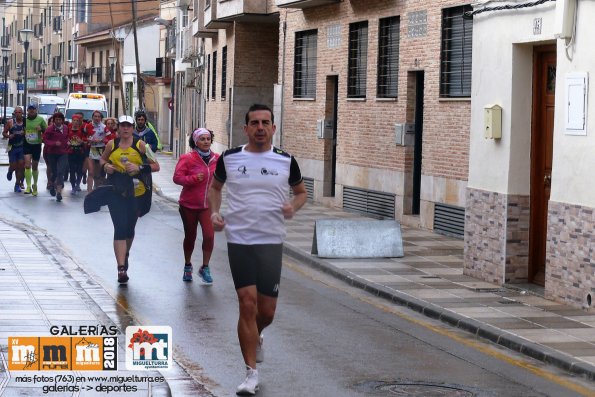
125,161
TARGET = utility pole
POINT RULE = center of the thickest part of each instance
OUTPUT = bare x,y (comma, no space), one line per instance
117,66
139,82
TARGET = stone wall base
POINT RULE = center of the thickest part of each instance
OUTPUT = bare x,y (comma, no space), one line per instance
570,254
496,236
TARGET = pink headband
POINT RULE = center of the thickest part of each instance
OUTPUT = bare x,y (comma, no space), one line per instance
198,132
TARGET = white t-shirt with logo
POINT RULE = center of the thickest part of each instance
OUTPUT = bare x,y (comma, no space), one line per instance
257,186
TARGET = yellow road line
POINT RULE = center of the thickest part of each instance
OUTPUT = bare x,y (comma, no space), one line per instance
480,346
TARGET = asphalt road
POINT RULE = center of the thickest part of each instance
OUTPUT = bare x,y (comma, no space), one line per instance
327,339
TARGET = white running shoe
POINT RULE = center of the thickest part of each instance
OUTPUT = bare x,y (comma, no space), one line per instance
260,350
250,385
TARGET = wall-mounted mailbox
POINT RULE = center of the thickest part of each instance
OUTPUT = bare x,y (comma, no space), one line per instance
405,134
492,117
324,129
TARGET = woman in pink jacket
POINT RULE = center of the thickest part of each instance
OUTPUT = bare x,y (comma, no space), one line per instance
194,172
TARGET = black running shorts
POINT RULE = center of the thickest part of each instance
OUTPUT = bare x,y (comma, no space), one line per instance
258,264
33,149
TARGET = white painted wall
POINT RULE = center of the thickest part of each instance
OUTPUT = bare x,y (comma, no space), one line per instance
574,156
502,74
148,47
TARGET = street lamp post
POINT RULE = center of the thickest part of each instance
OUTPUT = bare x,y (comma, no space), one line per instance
43,66
71,62
5,52
112,62
19,82
24,36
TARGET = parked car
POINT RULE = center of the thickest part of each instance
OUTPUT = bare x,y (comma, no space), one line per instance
46,104
9,112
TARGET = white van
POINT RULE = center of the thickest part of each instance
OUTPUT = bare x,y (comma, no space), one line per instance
85,103
46,104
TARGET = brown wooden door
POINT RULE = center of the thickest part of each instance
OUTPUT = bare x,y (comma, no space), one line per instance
542,136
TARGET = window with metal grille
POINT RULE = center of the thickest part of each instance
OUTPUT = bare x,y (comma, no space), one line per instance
304,68
455,62
208,75
214,82
223,72
388,57
358,60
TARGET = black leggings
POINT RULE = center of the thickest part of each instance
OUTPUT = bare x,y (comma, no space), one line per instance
76,167
58,164
124,213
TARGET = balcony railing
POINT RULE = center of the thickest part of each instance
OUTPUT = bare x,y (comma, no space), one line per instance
189,49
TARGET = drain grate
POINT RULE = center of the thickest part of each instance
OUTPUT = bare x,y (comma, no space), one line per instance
415,389
411,390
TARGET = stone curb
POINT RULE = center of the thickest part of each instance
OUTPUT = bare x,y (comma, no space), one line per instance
484,331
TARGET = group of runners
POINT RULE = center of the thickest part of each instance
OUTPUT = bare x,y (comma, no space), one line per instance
71,150
256,175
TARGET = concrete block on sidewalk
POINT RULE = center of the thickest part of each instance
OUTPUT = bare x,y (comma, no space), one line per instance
356,238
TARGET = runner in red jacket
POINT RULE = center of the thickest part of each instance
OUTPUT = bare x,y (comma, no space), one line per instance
78,133
194,172
55,139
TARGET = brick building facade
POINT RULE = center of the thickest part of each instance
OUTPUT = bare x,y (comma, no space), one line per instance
368,170
351,95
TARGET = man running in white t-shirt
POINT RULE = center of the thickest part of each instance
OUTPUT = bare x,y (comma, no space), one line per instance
257,176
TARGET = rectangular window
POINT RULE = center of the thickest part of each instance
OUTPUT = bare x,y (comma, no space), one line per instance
388,57
81,11
304,67
455,55
214,82
208,75
358,60
223,72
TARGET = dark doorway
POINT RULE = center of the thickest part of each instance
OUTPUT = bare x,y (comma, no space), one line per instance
417,149
330,145
542,132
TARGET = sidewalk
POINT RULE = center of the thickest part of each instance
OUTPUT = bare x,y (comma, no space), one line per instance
429,279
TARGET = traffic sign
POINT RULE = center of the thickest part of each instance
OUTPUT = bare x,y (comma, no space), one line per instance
2,87
20,87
